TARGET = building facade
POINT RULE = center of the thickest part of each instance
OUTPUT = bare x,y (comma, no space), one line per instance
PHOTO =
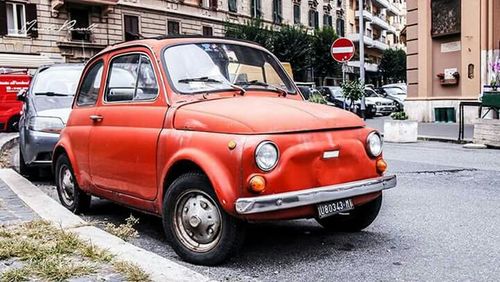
383,22
36,32
450,45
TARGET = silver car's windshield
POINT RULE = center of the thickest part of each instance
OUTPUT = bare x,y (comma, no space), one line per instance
57,80
206,67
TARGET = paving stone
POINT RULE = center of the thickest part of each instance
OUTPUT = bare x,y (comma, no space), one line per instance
12,209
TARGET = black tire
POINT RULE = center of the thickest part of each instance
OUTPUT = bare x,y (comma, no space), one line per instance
13,124
182,195
355,220
24,169
74,199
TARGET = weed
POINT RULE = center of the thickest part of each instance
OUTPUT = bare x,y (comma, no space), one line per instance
124,231
131,271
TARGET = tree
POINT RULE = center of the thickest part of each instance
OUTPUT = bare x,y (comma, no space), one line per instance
352,91
253,30
323,63
293,45
393,65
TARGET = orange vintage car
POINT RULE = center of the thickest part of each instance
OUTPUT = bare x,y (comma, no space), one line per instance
209,134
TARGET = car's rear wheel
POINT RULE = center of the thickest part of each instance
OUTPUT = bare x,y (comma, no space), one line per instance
353,221
198,228
70,194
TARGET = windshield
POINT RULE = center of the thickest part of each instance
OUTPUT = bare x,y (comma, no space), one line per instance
57,80
394,91
43,103
205,67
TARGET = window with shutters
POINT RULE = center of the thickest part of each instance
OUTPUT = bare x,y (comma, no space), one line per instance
296,13
340,27
232,6
256,9
80,30
313,19
173,28
208,31
277,11
16,19
327,20
131,27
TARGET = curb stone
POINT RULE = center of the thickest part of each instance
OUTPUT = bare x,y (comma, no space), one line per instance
158,267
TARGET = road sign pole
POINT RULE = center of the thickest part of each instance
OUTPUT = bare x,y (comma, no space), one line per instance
344,66
361,53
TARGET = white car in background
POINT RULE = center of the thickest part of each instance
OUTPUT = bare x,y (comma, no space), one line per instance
397,90
383,105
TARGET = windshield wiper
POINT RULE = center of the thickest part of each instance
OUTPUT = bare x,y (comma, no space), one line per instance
199,79
246,84
211,80
52,94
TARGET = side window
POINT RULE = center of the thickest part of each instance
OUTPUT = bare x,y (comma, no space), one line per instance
131,78
89,90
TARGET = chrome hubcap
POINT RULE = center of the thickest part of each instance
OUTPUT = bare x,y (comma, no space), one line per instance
197,221
66,185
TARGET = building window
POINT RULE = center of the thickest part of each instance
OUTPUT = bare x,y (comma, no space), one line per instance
131,26
233,6
277,14
327,20
173,28
296,13
340,27
208,31
256,9
314,19
81,19
16,19
209,4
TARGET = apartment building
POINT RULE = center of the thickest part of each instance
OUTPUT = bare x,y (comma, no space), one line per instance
383,22
36,32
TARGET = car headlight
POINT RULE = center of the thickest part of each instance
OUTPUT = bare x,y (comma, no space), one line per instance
46,124
378,103
374,144
266,155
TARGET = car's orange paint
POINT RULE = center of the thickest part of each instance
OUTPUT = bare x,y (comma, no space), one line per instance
128,156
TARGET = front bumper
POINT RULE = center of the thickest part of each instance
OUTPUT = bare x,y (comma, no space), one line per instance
312,196
38,147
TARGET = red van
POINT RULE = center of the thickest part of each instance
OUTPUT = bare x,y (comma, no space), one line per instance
10,107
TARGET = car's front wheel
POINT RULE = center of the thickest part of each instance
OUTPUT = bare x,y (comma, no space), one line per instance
198,228
355,220
70,194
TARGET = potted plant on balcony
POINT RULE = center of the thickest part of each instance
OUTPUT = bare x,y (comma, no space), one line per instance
492,98
400,129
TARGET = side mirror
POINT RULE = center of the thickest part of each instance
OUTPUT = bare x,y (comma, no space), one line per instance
21,95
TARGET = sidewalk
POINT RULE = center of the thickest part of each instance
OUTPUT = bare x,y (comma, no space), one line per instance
21,201
430,131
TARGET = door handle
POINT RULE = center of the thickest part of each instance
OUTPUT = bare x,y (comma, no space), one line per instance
96,118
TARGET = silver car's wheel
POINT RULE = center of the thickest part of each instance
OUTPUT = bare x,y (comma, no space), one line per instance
197,221
67,185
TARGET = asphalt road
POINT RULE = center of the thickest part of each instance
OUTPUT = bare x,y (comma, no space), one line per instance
442,222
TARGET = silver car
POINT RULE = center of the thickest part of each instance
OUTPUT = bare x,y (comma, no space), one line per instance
47,105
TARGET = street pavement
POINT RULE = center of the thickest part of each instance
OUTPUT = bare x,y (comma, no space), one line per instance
442,222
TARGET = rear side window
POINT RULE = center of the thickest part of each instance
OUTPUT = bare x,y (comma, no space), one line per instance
131,78
89,91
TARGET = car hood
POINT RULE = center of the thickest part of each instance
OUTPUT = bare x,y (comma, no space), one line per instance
378,99
63,114
250,115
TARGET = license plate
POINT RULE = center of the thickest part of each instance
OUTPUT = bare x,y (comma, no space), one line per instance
335,207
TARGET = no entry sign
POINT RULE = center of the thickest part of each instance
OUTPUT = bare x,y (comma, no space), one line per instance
342,50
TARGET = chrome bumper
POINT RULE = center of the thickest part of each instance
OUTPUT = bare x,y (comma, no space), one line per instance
312,196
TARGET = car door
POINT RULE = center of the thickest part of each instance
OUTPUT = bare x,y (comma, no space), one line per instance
126,127
79,125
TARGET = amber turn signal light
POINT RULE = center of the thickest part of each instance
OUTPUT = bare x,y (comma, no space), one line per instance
257,184
381,166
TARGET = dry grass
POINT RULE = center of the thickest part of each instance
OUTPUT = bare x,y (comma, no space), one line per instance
51,254
131,272
125,230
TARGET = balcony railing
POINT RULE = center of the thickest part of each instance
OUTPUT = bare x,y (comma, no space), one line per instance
378,44
380,22
366,15
355,38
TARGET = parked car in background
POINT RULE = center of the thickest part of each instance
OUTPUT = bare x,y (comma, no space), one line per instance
398,90
306,88
11,83
383,105
333,94
210,134
47,104
397,99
